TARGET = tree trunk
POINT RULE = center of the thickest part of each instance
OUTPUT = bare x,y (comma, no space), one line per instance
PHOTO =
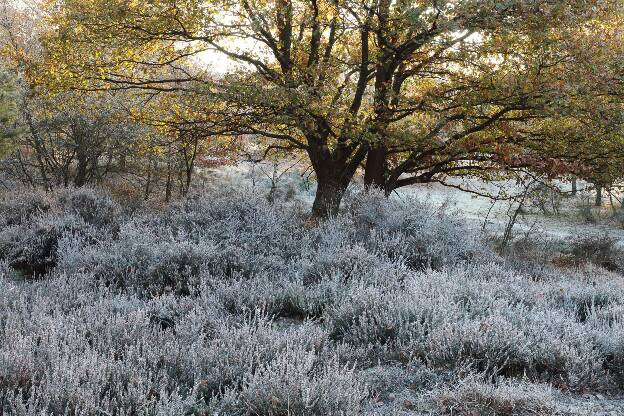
37,145
375,167
148,182
188,179
189,162
574,187
334,172
598,195
81,171
327,200
168,183
122,162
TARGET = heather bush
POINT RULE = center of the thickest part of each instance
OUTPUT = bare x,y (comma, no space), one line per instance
33,247
227,304
485,317
238,216
140,259
297,383
414,231
600,250
94,206
474,397
233,353
539,257
98,350
34,223
20,205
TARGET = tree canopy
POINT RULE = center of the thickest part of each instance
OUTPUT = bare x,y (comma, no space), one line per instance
405,91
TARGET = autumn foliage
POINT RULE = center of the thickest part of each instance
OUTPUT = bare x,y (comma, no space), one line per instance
400,92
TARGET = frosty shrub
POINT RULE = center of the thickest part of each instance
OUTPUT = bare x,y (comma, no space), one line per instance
495,321
296,383
414,231
600,250
20,205
140,259
537,256
34,223
32,247
94,206
227,304
474,397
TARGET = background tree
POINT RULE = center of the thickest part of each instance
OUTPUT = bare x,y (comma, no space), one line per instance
8,112
582,129
74,140
194,132
73,137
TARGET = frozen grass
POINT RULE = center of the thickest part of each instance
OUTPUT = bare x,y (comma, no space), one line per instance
228,304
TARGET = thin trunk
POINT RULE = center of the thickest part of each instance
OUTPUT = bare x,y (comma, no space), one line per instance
122,162
273,178
168,184
24,169
598,201
148,183
189,165
574,187
189,179
512,219
107,167
611,200
34,132
180,178
81,171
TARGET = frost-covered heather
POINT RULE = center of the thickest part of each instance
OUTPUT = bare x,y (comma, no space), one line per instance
226,304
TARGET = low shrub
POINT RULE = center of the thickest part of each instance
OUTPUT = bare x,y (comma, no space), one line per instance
297,383
502,399
33,247
141,260
23,204
34,223
414,231
600,250
94,206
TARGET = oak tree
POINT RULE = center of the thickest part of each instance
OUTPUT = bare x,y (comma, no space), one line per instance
411,91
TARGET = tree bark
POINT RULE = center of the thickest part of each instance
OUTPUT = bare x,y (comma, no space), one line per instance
81,171
327,200
334,172
598,195
122,162
148,182
188,172
375,167
168,183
